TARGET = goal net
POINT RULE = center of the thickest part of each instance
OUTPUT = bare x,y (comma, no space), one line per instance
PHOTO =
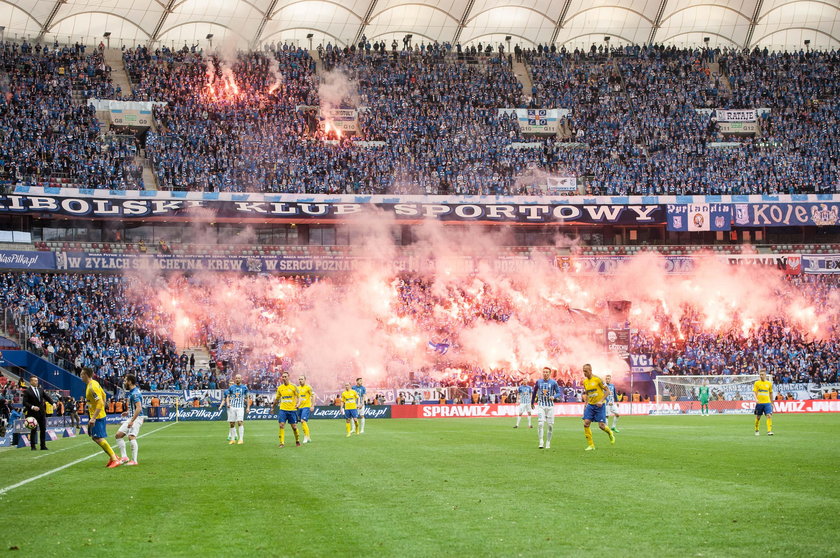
724,392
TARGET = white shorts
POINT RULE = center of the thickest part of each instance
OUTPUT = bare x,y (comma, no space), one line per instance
612,409
545,414
525,408
135,428
236,414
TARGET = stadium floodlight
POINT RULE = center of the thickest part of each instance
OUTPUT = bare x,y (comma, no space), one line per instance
606,39
808,45
107,36
309,36
210,39
706,40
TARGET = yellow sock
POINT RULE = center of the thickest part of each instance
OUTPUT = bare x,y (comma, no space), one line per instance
769,424
305,429
357,425
348,427
588,433
607,430
103,443
757,422
297,434
282,435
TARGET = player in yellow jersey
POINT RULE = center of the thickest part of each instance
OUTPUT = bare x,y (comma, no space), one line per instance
595,397
350,406
306,406
96,407
763,389
287,398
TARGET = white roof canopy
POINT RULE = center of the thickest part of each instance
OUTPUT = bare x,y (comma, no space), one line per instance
776,24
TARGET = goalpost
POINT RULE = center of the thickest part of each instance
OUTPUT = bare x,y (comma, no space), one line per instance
721,389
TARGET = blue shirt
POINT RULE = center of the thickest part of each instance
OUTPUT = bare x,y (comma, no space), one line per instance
134,397
238,395
361,391
524,393
545,392
612,396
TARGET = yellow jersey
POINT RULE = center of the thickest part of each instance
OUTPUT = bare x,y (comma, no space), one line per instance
305,393
287,395
595,390
350,399
763,390
95,396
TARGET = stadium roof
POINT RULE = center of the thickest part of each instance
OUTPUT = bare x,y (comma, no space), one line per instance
777,24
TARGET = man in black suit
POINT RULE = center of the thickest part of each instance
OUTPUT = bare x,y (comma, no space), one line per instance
34,403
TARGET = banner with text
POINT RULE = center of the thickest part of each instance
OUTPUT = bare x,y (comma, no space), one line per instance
735,115
821,264
22,259
346,120
699,217
786,214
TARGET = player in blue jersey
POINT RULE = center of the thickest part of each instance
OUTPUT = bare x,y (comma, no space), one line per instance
546,392
238,403
361,391
134,420
523,392
612,402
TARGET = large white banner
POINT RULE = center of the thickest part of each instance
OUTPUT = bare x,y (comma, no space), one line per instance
536,121
346,120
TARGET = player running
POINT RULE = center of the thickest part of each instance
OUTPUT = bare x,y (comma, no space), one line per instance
238,403
525,407
612,402
96,409
134,420
306,406
546,392
287,397
595,397
361,391
703,395
349,405
763,389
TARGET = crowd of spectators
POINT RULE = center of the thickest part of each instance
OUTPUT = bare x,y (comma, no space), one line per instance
428,119
49,137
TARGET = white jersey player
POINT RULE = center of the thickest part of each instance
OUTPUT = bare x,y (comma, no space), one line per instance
524,393
133,421
238,403
612,402
546,392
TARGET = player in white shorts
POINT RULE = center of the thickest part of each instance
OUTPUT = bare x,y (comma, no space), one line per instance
546,392
238,403
134,420
525,408
611,403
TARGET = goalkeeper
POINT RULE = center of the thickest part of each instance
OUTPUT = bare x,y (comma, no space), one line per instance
703,394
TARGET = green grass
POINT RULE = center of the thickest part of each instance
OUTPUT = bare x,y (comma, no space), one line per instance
671,486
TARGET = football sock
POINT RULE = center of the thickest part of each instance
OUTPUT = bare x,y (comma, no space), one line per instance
540,431
529,421
362,421
103,443
550,432
587,431
769,424
607,431
305,429
348,427
232,434
121,446
518,419
282,435
133,450
614,422
297,434
241,431
757,422
357,425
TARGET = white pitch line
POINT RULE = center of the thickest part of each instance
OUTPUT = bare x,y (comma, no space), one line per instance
3,491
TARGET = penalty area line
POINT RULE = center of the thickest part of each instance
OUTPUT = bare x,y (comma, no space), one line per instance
3,491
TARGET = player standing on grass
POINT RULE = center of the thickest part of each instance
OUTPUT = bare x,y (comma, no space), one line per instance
361,391
546,392
524,394
349,405
305,406
763,390
612,402
703,395
133,422
595,397
287,398
238,403
96,409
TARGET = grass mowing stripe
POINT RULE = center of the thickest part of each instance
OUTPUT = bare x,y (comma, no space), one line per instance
76,462
76,445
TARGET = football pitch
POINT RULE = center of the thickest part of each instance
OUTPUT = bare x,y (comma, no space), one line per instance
671,486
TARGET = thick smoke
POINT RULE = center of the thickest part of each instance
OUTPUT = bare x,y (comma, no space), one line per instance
460,313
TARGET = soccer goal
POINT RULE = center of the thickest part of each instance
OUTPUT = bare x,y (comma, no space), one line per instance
724,392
